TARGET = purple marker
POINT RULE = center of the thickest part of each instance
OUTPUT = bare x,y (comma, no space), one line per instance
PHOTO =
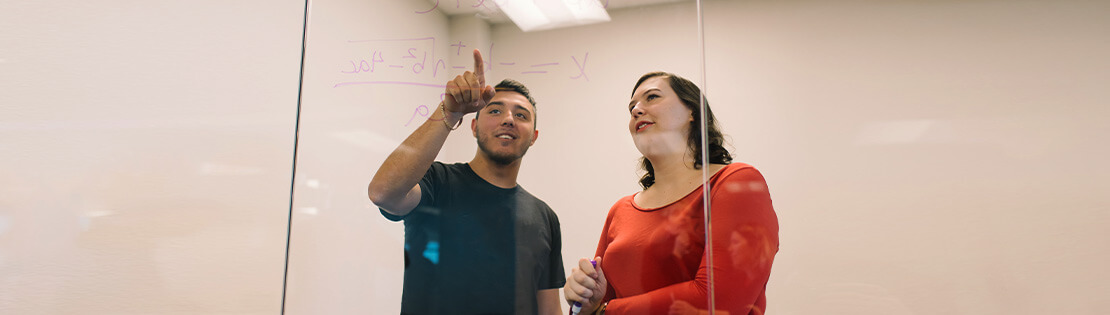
578,305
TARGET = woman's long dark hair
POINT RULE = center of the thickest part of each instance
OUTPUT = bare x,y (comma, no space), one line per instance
689,93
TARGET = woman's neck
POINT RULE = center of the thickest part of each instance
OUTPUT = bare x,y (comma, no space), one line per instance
674,171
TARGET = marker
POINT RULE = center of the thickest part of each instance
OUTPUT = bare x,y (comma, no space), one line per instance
577,307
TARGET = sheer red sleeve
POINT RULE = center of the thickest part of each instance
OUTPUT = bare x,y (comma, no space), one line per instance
744,243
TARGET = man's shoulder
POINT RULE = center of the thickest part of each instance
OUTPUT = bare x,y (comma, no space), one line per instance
450,172
536,203
524,193
453,167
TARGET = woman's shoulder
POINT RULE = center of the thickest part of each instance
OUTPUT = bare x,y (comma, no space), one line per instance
736,167
738,172
624,202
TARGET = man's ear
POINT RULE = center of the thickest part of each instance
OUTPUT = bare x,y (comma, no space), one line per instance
535,135
474,126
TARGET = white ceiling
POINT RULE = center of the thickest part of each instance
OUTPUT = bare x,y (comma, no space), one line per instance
488,9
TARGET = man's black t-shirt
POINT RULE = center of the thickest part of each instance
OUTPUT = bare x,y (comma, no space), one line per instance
475,248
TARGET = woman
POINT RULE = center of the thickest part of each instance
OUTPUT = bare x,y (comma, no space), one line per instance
652,257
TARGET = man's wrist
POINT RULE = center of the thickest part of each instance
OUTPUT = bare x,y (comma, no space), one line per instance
450,118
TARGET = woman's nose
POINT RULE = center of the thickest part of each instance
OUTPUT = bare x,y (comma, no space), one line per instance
637,111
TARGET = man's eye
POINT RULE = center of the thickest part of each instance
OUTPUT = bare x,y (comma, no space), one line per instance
494,111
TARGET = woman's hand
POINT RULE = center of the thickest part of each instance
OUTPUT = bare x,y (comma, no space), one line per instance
586,285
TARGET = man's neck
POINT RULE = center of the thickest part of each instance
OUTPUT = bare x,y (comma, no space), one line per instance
499,175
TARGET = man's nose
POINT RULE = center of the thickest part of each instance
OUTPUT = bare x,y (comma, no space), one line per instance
507,121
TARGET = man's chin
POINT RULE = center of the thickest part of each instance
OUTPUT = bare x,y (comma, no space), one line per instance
504,159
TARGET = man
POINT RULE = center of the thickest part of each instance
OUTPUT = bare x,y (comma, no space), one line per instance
475,241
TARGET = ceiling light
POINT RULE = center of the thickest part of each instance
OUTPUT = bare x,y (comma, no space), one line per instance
535,15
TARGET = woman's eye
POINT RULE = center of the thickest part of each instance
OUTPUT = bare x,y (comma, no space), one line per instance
652,96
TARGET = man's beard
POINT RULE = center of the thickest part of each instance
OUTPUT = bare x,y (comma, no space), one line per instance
498,158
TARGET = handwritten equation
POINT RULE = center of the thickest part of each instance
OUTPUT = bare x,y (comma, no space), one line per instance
418,60
413,62
414,56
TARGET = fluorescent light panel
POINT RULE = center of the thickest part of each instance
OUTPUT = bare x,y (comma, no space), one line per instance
535,15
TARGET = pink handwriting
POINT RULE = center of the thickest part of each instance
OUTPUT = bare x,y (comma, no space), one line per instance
416,61
458,51
442,86
363,65
423,111
429,10
581,66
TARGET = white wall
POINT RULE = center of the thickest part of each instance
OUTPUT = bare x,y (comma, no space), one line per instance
146,155
924,156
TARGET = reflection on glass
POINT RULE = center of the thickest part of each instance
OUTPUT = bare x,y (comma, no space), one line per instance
890,131
372,103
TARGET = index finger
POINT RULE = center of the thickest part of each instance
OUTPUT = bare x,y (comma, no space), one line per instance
479,68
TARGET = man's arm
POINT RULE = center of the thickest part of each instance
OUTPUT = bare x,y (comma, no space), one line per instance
549,302
394,187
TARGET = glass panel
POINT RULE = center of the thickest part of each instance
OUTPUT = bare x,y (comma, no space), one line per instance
375,74
146,155
919,152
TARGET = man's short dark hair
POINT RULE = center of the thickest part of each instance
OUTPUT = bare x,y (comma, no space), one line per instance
513,85
510,85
